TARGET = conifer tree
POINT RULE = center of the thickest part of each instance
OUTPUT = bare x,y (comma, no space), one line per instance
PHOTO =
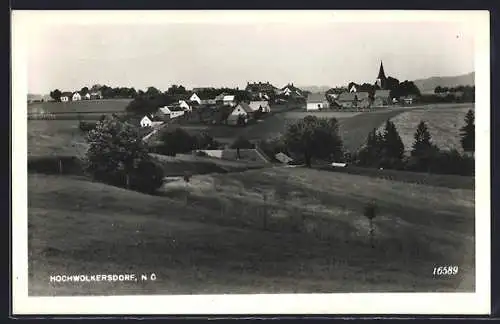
392,146
467,132
423,150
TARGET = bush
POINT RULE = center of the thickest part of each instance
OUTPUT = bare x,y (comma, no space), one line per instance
86,126
201,153
147,177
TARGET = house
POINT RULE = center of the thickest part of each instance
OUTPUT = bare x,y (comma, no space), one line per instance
170,112
263,105
354,100
247,155
261,90
66,96
220,98
242,109
229,100
150,121
353,88
76,97
317,101
95,95
188,105
202,99
382,98
86,96
283,158
291,91
407,100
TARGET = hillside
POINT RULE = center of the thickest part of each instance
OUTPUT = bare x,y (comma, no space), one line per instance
429,84
215,239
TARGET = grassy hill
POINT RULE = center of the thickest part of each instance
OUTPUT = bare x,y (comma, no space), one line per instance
214,239
429,84
83,106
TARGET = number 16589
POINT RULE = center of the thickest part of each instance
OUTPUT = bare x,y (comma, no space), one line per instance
446,270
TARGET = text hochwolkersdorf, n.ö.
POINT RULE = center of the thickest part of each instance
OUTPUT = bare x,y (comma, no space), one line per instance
126,277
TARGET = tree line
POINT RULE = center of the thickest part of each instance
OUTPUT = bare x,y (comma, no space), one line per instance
386,150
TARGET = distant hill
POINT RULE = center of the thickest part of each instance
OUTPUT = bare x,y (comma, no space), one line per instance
429,84
315,89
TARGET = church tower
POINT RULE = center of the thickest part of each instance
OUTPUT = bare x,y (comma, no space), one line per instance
381,78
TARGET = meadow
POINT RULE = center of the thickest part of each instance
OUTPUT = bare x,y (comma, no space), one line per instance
83,106
217,234
55,137
443,123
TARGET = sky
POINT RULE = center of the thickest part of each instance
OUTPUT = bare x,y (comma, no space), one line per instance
198,54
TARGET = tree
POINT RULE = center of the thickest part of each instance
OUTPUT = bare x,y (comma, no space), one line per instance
314,137
84,91
117,155
392,147
370,212
258,113
424,152
371,153
177,141
56,95
206,142
241,120
241,143
152,92
467,133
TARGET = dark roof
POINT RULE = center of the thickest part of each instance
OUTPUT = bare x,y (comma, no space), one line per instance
382,94
350,96
316,97
245,107
66,94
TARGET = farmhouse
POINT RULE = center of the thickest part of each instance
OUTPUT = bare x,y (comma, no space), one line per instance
202,99
382,98
354,100
229,100
248,155
261,90
283,158
317,101
170,112
243,110
86,96
263,105
150,121
66,96
292,91
76,97
95,95
188,105
407,100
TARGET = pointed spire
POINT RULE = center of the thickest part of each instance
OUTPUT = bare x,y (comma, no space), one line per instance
381,73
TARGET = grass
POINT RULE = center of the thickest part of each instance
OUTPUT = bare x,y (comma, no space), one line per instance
443,123
84,106
50,137
212,240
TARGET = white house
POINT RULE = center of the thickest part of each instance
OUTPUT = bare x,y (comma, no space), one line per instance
66,96
96,95
146,122
185,105
353,88
171,112
229,100
264,105
243,109
150,121
76,97
316,101
195,97
86,96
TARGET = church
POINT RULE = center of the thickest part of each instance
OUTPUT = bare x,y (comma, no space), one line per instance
381,78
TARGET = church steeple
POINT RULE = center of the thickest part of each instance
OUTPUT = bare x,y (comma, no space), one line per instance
381,78
381,73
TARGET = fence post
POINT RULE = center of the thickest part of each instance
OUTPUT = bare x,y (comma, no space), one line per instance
60,166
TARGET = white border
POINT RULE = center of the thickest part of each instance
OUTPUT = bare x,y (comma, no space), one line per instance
369,303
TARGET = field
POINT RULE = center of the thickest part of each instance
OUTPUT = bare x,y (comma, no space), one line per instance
50,137
443,123
211,236
84,106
